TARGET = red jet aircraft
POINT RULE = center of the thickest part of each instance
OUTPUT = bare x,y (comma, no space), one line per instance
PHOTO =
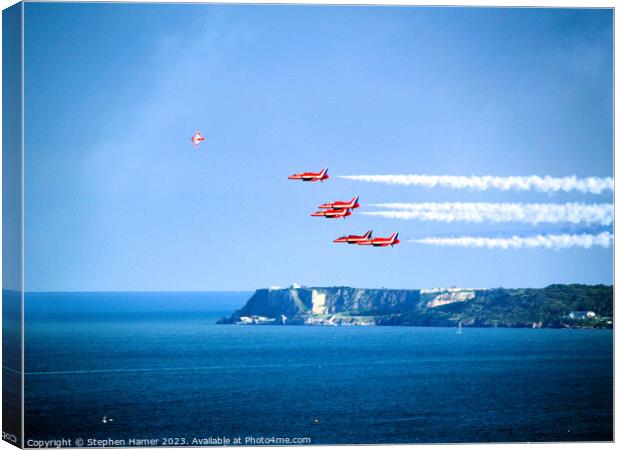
354,239
310,176
197,139
381,242
332,213
342,205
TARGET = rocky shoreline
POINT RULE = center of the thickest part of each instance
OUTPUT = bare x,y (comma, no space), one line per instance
556,306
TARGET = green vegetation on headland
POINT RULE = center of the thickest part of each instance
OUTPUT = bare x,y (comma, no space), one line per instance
556,306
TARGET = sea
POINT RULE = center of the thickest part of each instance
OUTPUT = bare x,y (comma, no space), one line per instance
122,366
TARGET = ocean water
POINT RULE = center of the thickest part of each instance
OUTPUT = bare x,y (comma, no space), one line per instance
160,367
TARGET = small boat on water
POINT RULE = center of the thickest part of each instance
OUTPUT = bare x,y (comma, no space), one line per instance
459,329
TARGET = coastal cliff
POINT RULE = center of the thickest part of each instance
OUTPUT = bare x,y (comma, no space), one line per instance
554,306
313,305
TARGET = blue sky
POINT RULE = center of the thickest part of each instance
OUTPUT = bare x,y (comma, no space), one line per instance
118,199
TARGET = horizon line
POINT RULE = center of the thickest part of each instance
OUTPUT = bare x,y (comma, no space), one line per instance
120,291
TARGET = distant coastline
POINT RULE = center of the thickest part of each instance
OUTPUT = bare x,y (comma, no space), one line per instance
555,306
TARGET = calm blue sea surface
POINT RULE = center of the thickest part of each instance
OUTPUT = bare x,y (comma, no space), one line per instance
159,366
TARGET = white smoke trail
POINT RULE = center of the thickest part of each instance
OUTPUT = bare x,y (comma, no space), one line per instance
592,185
552,241
596,213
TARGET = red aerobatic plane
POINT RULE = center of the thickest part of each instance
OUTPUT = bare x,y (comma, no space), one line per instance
310,176
381,242
197,139
354,239
342,205
332,213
